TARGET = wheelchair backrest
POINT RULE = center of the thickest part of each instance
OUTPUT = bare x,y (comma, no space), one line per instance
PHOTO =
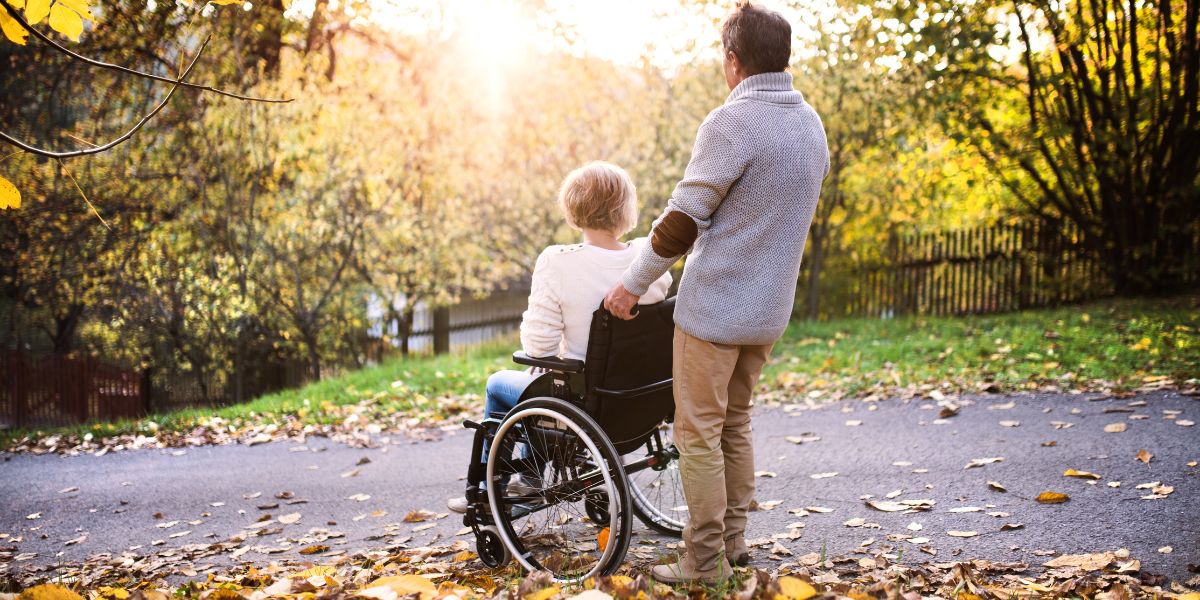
623,356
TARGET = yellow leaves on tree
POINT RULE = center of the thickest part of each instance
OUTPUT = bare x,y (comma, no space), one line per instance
10,196
65,17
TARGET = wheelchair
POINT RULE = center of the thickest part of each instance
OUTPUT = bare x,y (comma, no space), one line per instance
586,449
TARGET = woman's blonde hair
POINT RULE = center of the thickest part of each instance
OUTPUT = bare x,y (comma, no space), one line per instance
599,195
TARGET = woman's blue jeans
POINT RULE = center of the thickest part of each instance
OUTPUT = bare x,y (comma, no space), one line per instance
504,389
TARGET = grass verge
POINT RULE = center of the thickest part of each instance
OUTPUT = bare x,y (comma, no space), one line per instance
1113,346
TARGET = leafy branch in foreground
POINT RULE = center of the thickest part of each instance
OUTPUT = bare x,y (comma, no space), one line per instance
66,17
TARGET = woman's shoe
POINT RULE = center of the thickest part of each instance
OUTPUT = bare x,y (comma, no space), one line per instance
458,505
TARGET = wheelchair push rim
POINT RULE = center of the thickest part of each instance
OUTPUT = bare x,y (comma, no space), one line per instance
530,552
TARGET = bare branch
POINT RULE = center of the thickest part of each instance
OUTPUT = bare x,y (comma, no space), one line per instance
119,140
104,65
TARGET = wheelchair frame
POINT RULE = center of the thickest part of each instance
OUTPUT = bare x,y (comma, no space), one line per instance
493,549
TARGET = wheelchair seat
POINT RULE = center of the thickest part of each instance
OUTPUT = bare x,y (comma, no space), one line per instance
626,377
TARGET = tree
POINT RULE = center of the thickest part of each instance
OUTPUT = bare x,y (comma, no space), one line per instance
1088,108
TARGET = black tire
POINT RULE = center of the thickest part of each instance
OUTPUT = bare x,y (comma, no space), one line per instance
657,492
490,548
545,529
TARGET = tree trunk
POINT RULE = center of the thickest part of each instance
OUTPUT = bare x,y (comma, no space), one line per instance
817,241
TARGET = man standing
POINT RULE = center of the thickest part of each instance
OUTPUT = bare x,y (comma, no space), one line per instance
743,210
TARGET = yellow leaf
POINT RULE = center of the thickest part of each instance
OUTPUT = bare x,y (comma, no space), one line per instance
1052,498
544,593
287,4
112,593
795,589
66,21
17,35
602,539
36,10
48,591
313,572
80,6
1080,474
406,585
315,549
224,2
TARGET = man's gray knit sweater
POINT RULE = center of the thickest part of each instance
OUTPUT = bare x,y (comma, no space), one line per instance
751,188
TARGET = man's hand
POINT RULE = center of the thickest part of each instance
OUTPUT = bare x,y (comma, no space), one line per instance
620,302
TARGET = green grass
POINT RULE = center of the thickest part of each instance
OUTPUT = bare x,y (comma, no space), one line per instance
1113,345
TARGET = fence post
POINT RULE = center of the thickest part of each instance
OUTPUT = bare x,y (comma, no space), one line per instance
441,330
147,401
19,373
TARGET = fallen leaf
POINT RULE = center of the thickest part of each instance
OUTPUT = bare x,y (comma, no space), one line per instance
33,516
1115,427
780,550
949,410
1184,422
359,497
886,506
1052,498
1011,526
1165,549
1080,474
823,475
290,518
914,526
996,486
979,462
793,588
966,509
418,516
1010,423
1087,562
962,534
315,549
765,474
1144,456
404,585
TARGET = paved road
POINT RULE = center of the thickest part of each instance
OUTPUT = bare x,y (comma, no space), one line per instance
122,498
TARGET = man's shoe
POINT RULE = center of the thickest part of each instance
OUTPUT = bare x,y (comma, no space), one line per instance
681,572
524,485
458,505
737,553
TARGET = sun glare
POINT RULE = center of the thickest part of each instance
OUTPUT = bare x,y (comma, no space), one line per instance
495,33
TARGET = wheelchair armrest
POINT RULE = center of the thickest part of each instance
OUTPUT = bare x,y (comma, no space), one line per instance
553,363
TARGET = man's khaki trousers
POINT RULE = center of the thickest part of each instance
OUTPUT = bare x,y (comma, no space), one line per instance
712,385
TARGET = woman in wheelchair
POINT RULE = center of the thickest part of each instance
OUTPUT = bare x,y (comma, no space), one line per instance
547,453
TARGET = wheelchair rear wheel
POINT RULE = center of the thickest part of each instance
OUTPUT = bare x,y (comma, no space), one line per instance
657,490
570,475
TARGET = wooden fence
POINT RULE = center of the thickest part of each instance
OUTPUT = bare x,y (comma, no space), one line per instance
56,390
984,269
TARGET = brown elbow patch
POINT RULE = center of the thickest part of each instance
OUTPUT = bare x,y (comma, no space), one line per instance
673,235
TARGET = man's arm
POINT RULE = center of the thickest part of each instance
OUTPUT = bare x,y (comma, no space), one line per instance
715,165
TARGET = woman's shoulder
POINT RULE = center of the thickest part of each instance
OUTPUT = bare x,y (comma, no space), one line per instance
558,253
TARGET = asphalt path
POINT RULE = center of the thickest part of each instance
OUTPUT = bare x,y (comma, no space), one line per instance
63,509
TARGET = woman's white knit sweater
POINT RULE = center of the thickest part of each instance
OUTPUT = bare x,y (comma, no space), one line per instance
569,282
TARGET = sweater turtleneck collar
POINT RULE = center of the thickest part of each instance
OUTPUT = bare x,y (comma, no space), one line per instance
775,88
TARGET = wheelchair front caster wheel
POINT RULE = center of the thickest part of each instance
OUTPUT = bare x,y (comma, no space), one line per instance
491,548
595,504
